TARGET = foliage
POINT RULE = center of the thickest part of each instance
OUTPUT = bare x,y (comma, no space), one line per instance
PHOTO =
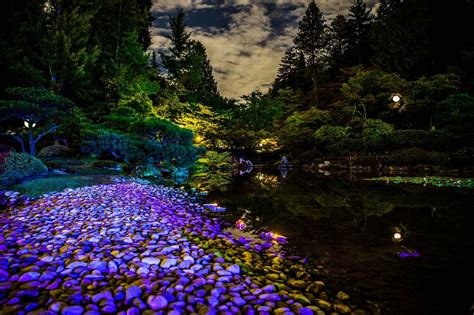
39,186
298,129
204,123
18,166
456,114
216,160
374,129
330,134
436,140
39,109
413,156
120,146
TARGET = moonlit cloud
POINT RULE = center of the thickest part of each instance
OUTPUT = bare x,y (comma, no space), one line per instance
244,39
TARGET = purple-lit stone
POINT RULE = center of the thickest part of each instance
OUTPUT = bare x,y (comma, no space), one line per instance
29,276
238,301
132,292
72,310
150,250
235,269
133,311
157,302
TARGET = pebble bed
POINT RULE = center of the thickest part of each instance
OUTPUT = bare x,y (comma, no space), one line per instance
132,248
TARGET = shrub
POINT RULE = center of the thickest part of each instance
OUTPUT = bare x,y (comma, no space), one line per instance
428,140
19,166
331,134
55,151
412,156
216,160
374,129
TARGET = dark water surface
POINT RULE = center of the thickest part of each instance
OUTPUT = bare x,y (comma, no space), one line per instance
347,230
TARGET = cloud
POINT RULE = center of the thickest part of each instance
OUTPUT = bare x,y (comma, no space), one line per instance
246,51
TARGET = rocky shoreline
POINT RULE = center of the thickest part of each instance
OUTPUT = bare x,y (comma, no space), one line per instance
133,248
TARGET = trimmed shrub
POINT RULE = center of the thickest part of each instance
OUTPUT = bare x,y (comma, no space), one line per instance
413,156
56,151
19,166
428,140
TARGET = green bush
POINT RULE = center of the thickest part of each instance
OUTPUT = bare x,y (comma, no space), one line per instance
56,151
331,134
427,140
19,166
412,156
374,129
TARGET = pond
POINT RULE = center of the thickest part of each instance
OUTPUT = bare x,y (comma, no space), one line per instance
405,250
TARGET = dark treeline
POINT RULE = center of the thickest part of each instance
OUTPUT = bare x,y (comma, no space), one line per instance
395,81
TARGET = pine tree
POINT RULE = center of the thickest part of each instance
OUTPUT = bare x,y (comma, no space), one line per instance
312,41
401,37
291,72
179,37
312,38
69,58
339,41
359,22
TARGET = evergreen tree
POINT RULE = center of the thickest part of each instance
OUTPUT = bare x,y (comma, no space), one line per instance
188,64
313,41
401,37
173,60
22,28
68,56
291,72
339,41
359,23
312,37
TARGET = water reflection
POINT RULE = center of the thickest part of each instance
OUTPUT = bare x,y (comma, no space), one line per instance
394,245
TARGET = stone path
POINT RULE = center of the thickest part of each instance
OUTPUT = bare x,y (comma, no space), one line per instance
130,248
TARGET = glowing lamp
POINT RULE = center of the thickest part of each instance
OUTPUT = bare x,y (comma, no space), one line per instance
240,224
396,98
27,124
397,235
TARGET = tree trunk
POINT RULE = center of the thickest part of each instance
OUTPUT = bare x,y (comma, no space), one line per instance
31,140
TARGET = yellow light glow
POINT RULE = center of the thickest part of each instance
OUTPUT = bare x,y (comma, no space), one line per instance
396,98
397,236
198,138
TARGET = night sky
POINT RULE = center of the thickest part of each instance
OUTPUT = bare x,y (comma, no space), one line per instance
245,39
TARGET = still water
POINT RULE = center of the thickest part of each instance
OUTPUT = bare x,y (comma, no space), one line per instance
407,250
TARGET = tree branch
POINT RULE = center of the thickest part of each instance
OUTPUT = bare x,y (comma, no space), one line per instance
41,135
17,138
